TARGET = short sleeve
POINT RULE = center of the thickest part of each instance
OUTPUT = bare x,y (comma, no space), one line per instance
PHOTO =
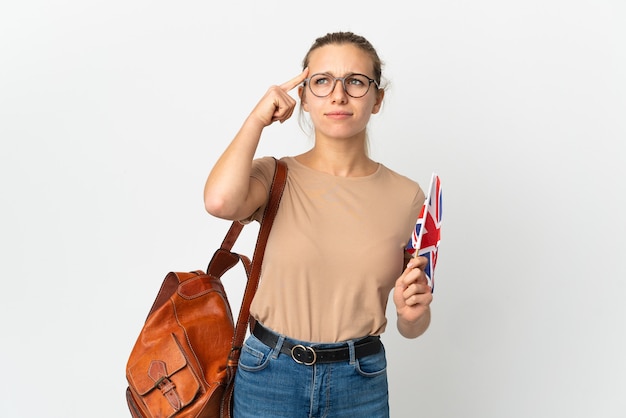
263,171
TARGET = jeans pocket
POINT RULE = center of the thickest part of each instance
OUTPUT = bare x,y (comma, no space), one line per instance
254,355
372,365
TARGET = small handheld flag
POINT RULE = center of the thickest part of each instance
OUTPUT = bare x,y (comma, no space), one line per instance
427,233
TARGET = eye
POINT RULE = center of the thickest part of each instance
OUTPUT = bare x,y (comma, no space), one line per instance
356,80
320,80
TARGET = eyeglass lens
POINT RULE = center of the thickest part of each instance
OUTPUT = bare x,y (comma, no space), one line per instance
355,85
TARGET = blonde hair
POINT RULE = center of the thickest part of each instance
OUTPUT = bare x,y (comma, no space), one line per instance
342,38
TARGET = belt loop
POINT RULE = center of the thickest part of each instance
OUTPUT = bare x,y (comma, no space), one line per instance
279,345
352,351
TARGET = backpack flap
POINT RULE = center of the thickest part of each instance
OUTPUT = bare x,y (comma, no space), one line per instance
163,379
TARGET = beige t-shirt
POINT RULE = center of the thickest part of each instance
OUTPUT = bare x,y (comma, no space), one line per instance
335,251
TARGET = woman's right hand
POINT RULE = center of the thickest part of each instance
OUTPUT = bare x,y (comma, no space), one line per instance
277,104
229,191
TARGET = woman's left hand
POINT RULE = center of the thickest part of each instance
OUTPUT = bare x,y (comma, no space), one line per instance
412,296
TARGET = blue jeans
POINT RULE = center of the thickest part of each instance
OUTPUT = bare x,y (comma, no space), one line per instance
271,384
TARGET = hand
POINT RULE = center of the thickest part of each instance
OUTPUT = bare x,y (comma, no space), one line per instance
412,295
277,104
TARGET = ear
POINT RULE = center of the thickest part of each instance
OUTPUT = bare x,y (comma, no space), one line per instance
379,101
303,103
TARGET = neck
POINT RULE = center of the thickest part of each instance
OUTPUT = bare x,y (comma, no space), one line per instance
339,158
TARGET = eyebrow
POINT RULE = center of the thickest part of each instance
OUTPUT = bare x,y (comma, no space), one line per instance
345,75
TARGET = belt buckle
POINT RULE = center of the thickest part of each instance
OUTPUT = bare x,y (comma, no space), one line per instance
301,347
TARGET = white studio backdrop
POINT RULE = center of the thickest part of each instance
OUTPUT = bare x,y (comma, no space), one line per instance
112,114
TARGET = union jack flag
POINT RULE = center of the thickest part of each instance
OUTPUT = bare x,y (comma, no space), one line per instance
427,233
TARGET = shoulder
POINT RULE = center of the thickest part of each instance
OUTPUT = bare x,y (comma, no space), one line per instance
263,170
403,188
399,181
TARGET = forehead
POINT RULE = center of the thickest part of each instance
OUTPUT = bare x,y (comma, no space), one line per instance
339,60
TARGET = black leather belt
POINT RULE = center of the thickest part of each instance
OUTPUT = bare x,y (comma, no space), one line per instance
310,355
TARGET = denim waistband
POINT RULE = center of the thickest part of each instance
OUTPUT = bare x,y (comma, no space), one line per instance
309,353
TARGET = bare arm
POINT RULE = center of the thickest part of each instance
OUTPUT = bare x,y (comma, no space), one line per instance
229,191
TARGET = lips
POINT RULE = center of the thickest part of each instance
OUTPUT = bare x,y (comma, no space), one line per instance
338,115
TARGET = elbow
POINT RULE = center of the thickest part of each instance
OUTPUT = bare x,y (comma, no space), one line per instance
218,207
225,207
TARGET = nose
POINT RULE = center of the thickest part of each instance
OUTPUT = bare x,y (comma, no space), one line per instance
338,94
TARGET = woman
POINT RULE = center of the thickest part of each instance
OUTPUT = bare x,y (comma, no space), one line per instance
336,249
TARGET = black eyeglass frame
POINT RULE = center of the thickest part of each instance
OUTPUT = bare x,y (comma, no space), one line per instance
343,84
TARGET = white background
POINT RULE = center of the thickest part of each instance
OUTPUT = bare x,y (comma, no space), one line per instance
113,112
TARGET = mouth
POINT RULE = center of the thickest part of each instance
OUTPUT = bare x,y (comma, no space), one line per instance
338,115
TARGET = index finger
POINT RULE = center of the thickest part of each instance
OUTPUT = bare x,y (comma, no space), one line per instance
289,85
417,261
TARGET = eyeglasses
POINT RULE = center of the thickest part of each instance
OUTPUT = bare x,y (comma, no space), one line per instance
355,85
